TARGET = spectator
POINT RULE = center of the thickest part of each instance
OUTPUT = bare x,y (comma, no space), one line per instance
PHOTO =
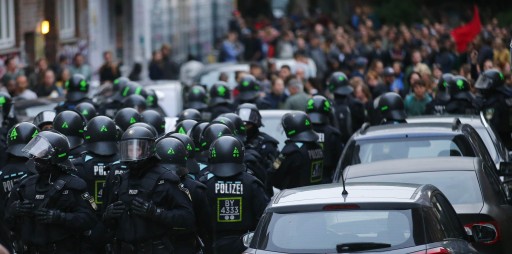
109,71
276,97
135,73
223,76
285,73
37,77
10,87
49,87
171,68
65,75
375,84
156,66
285,45
301,62
298,98
416,102
80,67
501,54
256,70
231,49
398,84
22,90
12,70
318,56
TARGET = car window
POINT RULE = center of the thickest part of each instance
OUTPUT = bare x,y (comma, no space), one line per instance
489,143
321,232
495,184
447,217
465,190
483,153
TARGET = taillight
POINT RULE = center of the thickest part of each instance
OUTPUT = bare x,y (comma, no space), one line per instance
340,207
493,232
438,250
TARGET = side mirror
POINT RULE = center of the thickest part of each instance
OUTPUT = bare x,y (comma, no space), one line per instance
505,169
247,239
484,233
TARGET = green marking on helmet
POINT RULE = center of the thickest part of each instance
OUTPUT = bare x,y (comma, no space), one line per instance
307,123
445,84
81,131
150,100
242,128
501,75
65,125
116,81
162,126
204,144
460,84
327,105
214,153
35,133
66,85
236,153
341,78
132,120
170,151
221,90
245,83
310,103
85,112
182,130
219,134
292,132
14,134
384,108
189,147
125,91
62,155
196,91
138,90
103,128
83,85
87,137
2,100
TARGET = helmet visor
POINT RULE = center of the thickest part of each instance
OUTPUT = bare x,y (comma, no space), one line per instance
483,82
248,115
39,148
135,149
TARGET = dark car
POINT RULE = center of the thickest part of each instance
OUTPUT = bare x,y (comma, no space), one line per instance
472,187
371,218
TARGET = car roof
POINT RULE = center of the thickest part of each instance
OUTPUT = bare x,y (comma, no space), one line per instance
398,166
223,66
408,130
275,112
358,193
473,120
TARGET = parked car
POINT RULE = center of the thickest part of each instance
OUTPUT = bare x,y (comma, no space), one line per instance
210,74
26,110
371,218
472,187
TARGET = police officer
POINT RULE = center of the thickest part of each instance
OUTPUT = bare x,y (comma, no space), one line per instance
349,113
109,99
249,92
461,99
319,110
236,198
87,110
149,205
195,135
77,88
154,119
7,121
50,211
185,126
126,117
135,101
72,125
173,155
438,105
44,120
210,133
301,161
239,131
197,99
151,99
391,108
192,165
191,114
220,100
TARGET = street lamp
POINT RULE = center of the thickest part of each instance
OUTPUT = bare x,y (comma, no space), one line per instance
45,27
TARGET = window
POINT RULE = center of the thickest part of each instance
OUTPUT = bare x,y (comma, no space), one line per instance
66,14
448,217
7,35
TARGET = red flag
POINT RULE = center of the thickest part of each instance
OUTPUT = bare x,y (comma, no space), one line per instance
465,34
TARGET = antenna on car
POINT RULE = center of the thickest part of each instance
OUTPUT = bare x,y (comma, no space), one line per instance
344,193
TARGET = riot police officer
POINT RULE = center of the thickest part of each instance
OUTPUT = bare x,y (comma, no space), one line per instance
301,161
190,114
50,211
72,125
220,100
154,119
134,101
349,113
126,117
44,120
319,110
185,126
438,105
249,92
109,99
151,99
237,199
173,155
196,99
239,131
149,206
192,165
461,99
195,135
87,110
391,107
7,121
77,88
210,133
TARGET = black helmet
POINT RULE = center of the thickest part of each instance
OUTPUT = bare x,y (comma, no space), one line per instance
319,109
6,104
154,119
151,99
249,88
219,93
196,98
48,145
126,117
226,157
187,141
43,119
120,83
133,88
459,89
338,84
137,143
87,110
185,126
195,134
443,87
391,107
298,127
190,113
172,155
135,101
19,136
490,80
72,125
226,121
145,125
249,113
240,130
77,88
101,136
211,133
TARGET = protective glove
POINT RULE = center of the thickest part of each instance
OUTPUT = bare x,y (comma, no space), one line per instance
144,208
47,216
114,210
22,208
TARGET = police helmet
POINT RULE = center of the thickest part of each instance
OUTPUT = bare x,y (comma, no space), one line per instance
338,84
126,117
172,155
187,141
134,101
133,88
240,130
219,93
154,119
145,125
226,157
190,113
490,80
77,88
195,134
443,87
87,110
211,133
319,109
185,126
459,89
197,98
6,105
137,143
249,89
151,99
120,83
50,146
72,125
298,127
44,120
391,107
249,113
101,136
226,121
19,136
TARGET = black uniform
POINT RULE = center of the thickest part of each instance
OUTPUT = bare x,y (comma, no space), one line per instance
350,115
70,105
438,105
461,99
329,138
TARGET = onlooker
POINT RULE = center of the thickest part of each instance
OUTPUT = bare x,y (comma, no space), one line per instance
298,99
171,68
49,88
231,48
416,102
12,70
80,67
22,90
256,70
276,97
156,66
37,77
285,73
109,71
135,73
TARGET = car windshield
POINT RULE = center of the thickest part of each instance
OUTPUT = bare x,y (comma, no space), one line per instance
322,232
367,151
460,187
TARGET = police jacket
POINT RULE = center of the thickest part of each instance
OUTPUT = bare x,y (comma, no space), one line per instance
299,164
70,105
459,106
265,145
201,208
66,193
114,169
161,187
350,114
219,109
436,107
329,138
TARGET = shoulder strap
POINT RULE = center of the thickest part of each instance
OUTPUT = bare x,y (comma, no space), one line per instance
55,188
150,179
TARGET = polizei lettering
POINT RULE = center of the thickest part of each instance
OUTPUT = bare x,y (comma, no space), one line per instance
315,154
99,170
229,188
